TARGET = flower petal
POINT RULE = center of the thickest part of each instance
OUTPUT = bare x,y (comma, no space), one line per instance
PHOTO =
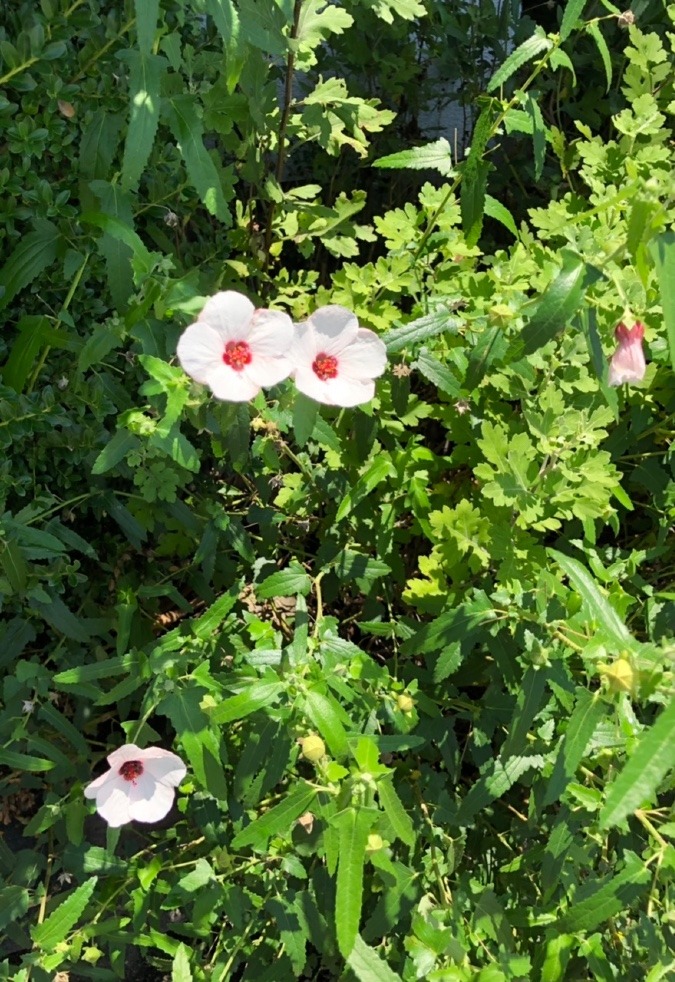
340,391
168,768
268,371
627,363
112,803
200,348
229,313
94,787
365,358
271,333
150,801
120,756
334,327
230,385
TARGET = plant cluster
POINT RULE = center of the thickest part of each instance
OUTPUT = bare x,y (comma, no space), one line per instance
383,670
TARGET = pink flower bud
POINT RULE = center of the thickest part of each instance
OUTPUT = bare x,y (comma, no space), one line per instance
627,364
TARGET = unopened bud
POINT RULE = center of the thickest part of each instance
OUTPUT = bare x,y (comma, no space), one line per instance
620,675
313,748
405,703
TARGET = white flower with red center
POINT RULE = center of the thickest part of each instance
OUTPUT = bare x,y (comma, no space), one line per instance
627,364
235,349
139,785
335,360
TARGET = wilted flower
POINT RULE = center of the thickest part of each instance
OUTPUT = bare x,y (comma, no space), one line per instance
235,349
139,785
628,361
335,360
27,706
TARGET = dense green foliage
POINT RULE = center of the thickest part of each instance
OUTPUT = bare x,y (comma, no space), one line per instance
418,655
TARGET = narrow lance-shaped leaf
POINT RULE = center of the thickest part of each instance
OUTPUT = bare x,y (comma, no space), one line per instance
277,820
587,713
429,326
596,604
186,126
367,965
255,697
354,827
523,53
432,156
663,253
638,781
326,719
55,928
145,80
571,17
395,812
146,23
33,254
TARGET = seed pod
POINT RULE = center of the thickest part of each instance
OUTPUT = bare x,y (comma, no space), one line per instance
313,748
405,703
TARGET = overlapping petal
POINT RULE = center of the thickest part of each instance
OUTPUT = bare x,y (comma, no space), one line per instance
144,793
627,364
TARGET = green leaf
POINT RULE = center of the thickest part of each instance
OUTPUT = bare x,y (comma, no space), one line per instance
571,16
278,820
380,470
146,23
226,19
596,604
14,565
523,53
106,669
429,326
439,374
305,412
24,762
180,968
367,965
14,902
61,921
495,209
558,304
605,898
323,714
457,624
601,44
538,135
145,81
398,817
211,620
354,825
648,765
99,145
292,926
118,229
474,178
256,696
115,249
33,254
184,116
662,249
114,451
58,616
582,724
285,583
432,156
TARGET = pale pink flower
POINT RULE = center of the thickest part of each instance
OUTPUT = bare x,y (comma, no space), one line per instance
139,785
335,360
627,364
235,349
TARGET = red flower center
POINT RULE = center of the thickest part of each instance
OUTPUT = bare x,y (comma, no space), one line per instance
237,354
325,366
131,769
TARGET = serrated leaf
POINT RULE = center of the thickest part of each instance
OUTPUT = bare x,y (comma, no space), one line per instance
571,16
380,469
648,765
603,50
538,135
184,116
14,565
255,697
558,304
62,920
99,144
211,620
305,413
587,714
398,817
367,965
24,762
93,671
285,583
114,451
662,250
523,53
180,967
118,229
146,23
33,254
429,326
439,374
14,902
353,830
606,897
145,82
277,820
321,712
495,209
58,616
596,604
432,156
